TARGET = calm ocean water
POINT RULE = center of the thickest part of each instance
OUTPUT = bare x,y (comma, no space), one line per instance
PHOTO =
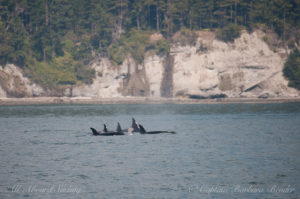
219,151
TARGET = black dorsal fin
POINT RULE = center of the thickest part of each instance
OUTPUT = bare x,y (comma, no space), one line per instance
104,128
94,131
119,129
134,126
142,129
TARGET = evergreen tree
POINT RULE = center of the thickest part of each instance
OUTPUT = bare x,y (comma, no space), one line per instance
47,33
292,69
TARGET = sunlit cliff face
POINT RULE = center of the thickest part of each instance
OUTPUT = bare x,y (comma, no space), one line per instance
245,68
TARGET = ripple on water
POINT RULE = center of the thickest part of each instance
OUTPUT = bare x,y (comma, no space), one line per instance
254,183
36,142
82,176
280,175
166,188
60,143
100,166
61,159
169,175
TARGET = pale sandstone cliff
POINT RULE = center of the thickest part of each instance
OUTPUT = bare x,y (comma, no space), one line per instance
14,84
245,68
211,68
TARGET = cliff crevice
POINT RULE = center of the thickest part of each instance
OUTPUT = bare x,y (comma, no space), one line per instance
167,80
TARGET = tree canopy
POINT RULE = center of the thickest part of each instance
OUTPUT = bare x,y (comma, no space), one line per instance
291,69
38,32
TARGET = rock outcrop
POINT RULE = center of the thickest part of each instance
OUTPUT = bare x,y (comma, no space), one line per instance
245,68
14,84
248,67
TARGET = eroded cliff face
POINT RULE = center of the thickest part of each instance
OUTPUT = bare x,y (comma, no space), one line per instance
211,68
14,84
129,79
245,68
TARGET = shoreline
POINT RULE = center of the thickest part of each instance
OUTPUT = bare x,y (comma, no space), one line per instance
139,100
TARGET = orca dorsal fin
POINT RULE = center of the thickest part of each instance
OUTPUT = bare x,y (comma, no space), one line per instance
104,128
142,129
134,126
95,132
119,129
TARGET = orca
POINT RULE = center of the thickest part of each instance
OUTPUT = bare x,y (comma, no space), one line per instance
133,129
119,129
104,128
143,131
134,126
105,132
95,132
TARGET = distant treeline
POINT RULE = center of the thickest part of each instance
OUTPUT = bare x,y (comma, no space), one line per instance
59,36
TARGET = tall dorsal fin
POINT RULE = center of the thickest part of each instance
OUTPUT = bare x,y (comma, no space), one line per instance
142,129
104,128
119,129
95,132
134,126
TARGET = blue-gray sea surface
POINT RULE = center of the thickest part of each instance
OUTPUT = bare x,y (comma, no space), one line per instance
218,151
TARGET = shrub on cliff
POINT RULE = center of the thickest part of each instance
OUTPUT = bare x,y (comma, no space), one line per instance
162,47
61,71
116,53
136,43
291,69
185,37
229,33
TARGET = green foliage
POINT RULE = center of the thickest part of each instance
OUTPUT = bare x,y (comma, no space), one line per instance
133,43
229,33
136,44
60,71
41,33
265,38
14,42
84,74
117,53
162,47
6,50
291,69
82,50
68,45
185,37
51,74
